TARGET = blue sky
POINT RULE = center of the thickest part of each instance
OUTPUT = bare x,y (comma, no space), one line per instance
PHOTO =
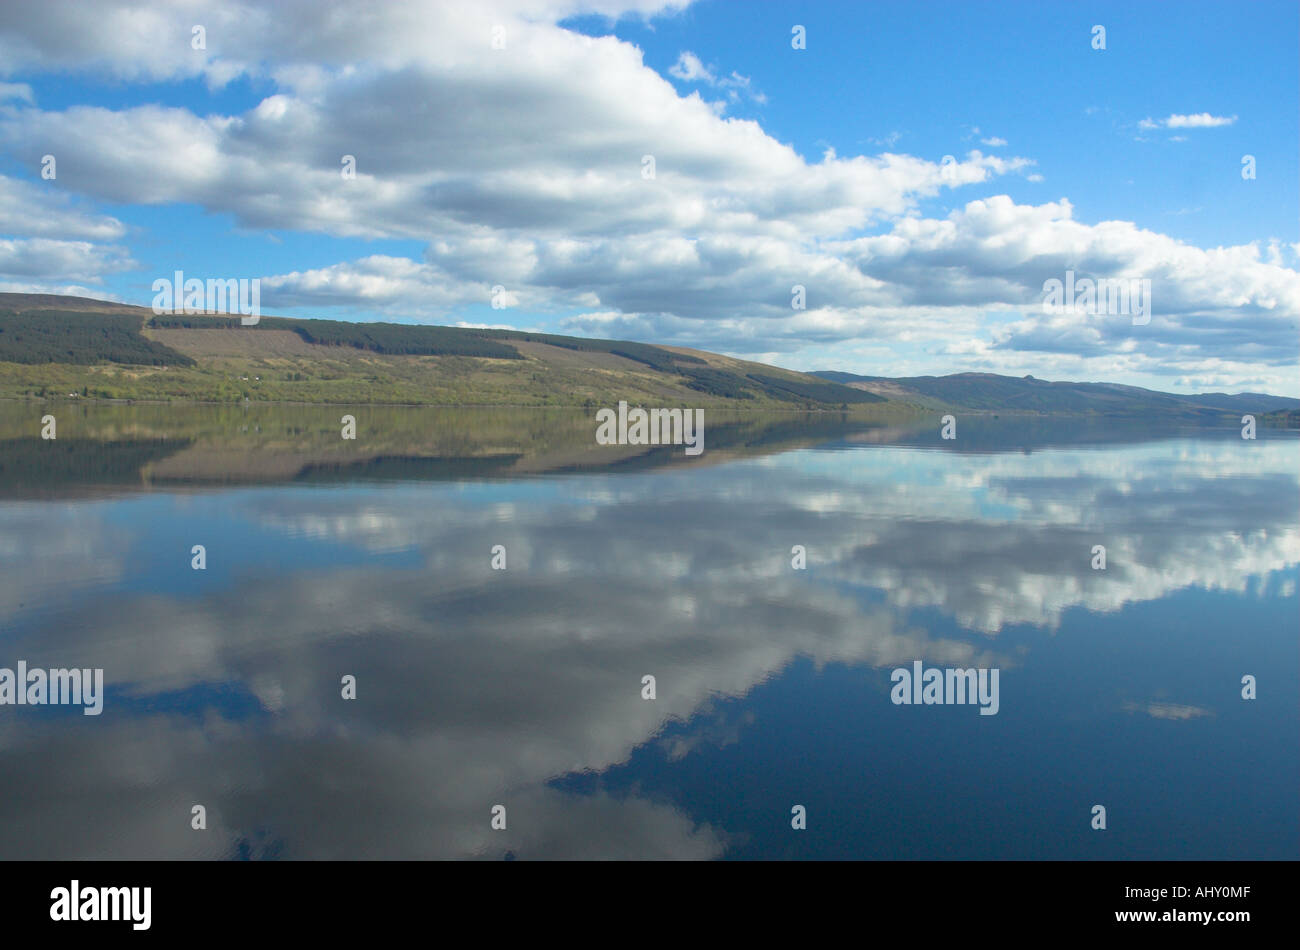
521,168
920,77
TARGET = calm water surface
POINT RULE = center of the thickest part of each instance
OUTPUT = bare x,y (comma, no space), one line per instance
523,687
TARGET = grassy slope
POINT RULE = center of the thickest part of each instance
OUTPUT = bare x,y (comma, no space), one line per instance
391,364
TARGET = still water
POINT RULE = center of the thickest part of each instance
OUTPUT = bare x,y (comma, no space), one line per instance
524,687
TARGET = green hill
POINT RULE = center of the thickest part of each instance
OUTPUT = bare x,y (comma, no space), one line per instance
79,348
73,347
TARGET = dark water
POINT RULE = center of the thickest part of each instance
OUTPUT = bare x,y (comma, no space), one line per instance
523,687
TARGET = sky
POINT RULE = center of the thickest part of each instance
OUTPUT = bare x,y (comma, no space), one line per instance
672,172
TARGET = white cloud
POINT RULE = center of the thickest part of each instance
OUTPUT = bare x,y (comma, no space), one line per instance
15,90
538,188
43,259
688,68
38,210
1201,120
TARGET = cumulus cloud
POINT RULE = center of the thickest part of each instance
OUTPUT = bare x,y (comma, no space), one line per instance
378,281
45,259
31,210
515,169
1231,302
52,244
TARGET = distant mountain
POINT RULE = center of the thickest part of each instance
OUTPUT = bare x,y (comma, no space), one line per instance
991,392
1244,402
